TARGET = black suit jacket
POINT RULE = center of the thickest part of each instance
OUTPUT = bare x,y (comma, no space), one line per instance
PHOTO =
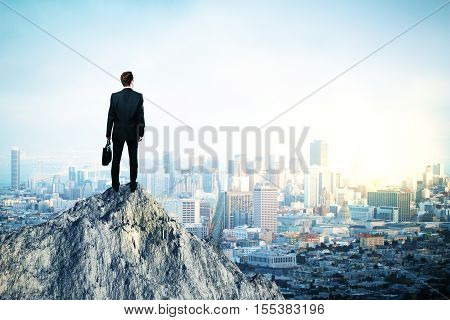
126,113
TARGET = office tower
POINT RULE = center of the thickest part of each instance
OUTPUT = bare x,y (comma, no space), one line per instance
209,181
88,189
399,199
311,187
81,177
428,177
169,169
437,169
15,168
189,183
318,153
238,209
387,213
190,211
234,168
72,174
265,207
205,212
57,186
273,171
234,173
159,183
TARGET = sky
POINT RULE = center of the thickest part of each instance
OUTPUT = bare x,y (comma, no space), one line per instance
232,63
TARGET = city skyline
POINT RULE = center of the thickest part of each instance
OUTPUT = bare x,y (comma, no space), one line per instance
253,66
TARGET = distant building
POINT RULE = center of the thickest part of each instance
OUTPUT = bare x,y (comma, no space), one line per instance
318,153
399,199
309,240
72,174
198,229
81,177
238,209
293,223
437,169
387,214
190,211
272,259
205,212
368,241
265,206
361,213
311,187
242,232
209,182
15,168
169,170
343,215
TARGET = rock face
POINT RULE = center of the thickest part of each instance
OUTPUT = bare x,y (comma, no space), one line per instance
119,246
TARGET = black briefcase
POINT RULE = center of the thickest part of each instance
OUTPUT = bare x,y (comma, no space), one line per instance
107,154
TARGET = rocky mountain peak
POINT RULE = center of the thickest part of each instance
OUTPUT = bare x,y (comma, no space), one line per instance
119,246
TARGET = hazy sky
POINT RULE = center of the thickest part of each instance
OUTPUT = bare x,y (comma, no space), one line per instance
232,63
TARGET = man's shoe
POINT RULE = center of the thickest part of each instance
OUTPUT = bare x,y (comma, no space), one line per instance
133,186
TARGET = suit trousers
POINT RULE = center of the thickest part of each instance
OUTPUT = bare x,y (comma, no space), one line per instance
117,155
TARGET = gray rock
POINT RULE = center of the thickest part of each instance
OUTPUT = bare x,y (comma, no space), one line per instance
119,246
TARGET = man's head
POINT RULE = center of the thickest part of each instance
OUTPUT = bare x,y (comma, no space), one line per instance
126,78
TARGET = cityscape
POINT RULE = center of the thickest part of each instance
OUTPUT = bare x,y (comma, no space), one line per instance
317,235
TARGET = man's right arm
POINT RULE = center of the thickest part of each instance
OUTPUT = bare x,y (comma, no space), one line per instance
111,118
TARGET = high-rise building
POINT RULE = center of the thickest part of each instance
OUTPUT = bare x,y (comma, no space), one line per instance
318,153
81,177
399,199
205,212
190,211
238,209
15,168
437,169
169,169
428,177
265,205
311,187
158,183
72,174
209,181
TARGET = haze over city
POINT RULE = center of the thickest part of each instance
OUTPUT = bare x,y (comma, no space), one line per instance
211,64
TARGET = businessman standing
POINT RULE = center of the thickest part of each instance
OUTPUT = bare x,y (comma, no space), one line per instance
126,115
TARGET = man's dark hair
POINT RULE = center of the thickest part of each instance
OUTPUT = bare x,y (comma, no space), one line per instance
126,78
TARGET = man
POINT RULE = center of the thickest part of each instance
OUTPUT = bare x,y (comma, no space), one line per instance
126,114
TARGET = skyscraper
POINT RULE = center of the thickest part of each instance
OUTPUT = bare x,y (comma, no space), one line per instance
318,153
437,169
265,207
169,169
311,187
238,209
81,177
72,174
15,168
399,199
428,177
